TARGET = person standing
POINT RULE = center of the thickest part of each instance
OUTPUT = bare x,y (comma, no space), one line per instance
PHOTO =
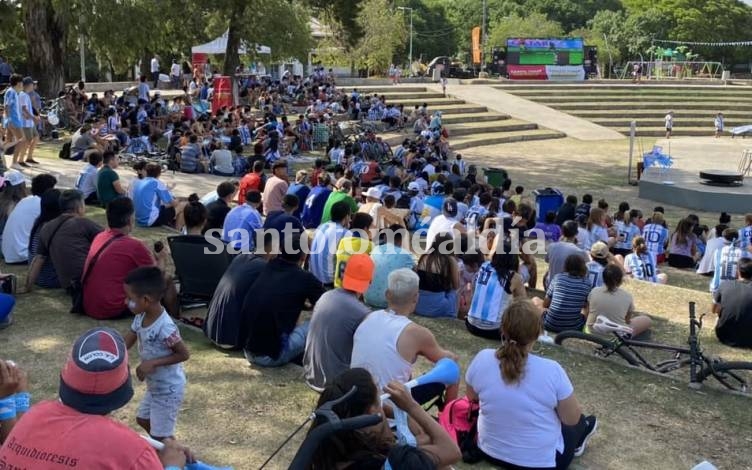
155,70
669,119
175,74
143,89
30,122
718,122
13,121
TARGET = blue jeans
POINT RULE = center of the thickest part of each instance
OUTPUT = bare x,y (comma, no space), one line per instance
293,345
7,302
437,304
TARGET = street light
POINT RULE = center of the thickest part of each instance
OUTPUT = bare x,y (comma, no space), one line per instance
410,54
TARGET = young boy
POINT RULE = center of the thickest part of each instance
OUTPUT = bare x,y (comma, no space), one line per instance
161,350
517,196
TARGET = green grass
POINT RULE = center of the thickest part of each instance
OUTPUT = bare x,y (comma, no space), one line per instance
237,415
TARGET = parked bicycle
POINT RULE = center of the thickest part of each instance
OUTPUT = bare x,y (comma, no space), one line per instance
734,375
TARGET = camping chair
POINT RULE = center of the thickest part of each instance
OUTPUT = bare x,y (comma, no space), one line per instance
197,272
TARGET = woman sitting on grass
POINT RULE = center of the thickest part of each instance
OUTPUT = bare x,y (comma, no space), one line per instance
439,280
682,252
611,302
566,298
529,416
369,448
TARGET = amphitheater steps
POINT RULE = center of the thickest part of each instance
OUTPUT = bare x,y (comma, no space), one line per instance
469,125
615,106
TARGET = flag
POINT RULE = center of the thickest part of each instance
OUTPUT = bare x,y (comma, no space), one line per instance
476,44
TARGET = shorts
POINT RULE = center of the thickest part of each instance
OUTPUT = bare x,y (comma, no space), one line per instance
166,216
30,133
161,409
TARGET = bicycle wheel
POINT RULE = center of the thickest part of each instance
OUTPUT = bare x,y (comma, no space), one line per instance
593,346
735,376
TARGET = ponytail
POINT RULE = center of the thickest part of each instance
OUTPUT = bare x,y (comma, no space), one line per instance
512,358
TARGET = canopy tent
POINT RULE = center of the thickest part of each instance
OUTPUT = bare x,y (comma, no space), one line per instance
219,46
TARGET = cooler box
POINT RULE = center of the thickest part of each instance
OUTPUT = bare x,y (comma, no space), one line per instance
495,176
547,199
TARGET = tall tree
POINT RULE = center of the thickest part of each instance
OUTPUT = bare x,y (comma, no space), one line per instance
385,32
534,25
46,25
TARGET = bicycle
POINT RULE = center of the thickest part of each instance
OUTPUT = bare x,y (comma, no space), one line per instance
734,375
745,163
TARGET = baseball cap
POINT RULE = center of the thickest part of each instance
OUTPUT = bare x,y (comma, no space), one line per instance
27,81
599,250
96,378
358,273
413,186
373,192
13,178
450,207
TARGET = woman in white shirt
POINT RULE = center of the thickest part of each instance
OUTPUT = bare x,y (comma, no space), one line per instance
529,416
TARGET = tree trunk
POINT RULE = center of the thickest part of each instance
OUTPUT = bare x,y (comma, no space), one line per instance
46,35
232,59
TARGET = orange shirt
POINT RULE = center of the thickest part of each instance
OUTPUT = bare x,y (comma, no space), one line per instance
250,182
52,435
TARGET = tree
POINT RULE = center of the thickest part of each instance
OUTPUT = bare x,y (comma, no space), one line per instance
385,32
433,33
534,25
339,13
46,25
571,14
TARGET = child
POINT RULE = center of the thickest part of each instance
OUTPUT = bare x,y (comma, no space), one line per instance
469,264
161,350
718,122
549,227
517,197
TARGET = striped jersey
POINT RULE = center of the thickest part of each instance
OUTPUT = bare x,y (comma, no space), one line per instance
490,298
642,266
655,236
474,215
595,273
726,265
568,296
745,237
324,251
624,234
348,246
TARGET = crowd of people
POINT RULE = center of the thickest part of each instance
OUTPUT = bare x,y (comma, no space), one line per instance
338,240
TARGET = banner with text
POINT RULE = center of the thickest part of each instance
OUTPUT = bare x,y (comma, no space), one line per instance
476,44
546,72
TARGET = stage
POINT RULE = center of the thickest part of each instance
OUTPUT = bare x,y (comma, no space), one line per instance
681,184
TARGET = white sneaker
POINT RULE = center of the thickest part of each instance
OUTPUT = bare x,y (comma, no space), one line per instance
544,338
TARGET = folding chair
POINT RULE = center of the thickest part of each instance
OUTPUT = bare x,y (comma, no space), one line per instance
198,272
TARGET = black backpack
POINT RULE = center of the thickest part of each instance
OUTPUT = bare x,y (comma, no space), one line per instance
65,152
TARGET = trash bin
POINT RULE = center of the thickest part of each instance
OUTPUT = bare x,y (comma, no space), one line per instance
547,199
495,176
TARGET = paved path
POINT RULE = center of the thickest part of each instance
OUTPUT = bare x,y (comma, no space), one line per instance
520,108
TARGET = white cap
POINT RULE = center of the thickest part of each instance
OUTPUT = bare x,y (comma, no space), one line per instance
413,186
13,177
373,192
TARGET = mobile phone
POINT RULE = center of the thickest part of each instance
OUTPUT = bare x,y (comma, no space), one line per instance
8,285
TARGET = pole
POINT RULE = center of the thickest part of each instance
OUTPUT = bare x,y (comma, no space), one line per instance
410,54
632,130
81,49
483,39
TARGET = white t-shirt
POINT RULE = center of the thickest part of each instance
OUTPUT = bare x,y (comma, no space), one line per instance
440,224
518,423
18,229
175,70
669,121
155,342
154,65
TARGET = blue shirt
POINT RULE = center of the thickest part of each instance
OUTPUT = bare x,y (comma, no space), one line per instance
301,191
324,251
149,194
655,236
240,226
568,296
313,208
386,258
13,107
279,220
87,180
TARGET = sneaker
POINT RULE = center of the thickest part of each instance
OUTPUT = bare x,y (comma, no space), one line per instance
592,424
32,161
24,164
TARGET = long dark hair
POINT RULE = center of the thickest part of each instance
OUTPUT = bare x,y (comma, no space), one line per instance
505,264
50,205
349,446
438,263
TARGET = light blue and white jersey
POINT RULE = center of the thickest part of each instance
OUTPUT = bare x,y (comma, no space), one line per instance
642,267
595,273
726,265
655,236
474,215
598,233
745,237
490,298
324,251
624,234
149,195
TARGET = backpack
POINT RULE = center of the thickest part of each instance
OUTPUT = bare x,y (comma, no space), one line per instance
65,151
459,418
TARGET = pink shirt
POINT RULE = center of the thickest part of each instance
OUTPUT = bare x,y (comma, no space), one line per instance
274,192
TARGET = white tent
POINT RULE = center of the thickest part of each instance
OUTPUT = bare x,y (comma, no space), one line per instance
219,46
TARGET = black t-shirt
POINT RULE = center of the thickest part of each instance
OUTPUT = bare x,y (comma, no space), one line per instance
216,213
734,327
273,304
224,322
565,212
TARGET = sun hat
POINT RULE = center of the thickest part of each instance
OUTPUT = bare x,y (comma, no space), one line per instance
373,192
13,178
599,250
358,273
96,378
450,207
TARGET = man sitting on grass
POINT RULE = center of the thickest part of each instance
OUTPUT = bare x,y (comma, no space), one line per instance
733,304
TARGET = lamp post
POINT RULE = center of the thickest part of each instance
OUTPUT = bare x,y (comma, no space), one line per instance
410,53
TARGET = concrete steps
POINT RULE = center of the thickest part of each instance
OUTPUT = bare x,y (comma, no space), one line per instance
706,122
469,124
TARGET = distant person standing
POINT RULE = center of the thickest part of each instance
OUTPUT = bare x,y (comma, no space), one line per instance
175,74
155,70
5,71
669,119
636,73
143,89
444,85
718,122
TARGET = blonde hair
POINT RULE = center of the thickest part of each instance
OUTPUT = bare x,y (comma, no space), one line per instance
638,244
657,218
596,217
520,327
